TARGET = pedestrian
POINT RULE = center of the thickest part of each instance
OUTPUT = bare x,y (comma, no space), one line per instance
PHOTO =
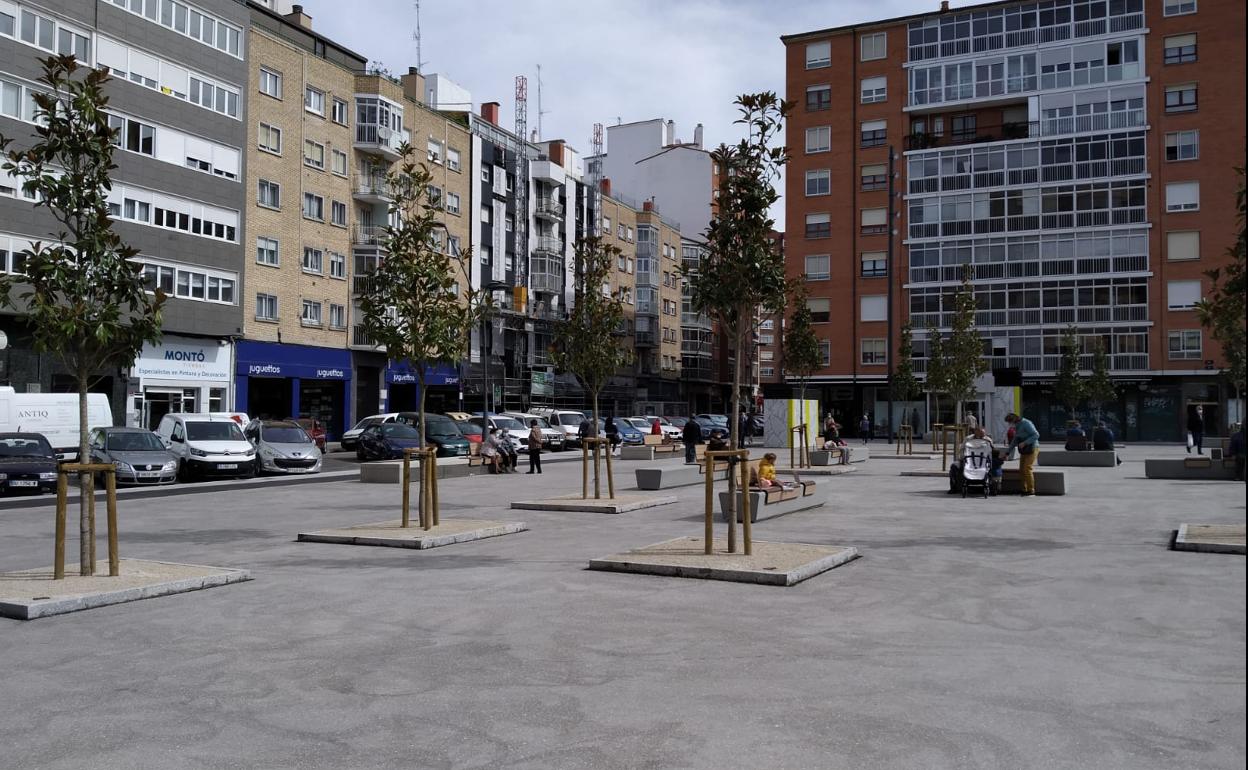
864,429
692,436
743,429
1196,430
511,450
1236,450
655,428
612,432
535,447
971,422
1027,441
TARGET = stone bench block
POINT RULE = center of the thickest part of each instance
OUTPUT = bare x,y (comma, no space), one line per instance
1216,470
792,501
1060,458
673,476
1047,482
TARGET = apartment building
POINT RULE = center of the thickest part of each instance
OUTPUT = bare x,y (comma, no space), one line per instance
618,228
658,330
178,73
1059,148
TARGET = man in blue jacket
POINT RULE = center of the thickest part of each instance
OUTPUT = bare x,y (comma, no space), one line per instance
1027,441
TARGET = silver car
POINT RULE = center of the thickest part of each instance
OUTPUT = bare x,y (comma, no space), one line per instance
282,446
137,454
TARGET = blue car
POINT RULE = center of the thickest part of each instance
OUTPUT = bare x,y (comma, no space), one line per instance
386,441
628,433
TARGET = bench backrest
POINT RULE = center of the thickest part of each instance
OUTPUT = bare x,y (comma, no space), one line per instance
652,440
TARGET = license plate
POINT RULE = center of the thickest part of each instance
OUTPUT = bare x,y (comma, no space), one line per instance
149,474
227,466
23,483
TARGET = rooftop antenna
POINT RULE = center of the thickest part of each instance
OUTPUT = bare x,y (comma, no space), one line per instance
420,63
540,111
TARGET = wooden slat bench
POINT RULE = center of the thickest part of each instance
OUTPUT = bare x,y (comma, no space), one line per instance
652,447
773,501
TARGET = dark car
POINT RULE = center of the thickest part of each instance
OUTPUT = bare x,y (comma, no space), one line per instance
679,422
27,463
386,441
710,428
314,428
137,454
441,432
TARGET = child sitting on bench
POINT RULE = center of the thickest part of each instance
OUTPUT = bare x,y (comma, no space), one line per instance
767,471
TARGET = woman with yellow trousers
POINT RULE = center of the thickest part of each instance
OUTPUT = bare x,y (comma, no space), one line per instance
1027,440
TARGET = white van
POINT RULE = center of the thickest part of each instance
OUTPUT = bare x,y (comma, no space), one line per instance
55,415
207,445
564,420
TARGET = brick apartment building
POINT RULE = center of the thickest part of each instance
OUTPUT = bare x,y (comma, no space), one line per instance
1078,154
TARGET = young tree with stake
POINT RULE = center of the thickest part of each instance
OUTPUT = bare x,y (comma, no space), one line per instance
1069,387
82,291
801,354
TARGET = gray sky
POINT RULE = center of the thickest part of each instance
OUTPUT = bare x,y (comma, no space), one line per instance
685,60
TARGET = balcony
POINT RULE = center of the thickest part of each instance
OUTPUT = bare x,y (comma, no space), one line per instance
546,171
361,285
1118,120
360,339
379,140
549,246
545,281
646,338
549,209
368,235
697,368
372,188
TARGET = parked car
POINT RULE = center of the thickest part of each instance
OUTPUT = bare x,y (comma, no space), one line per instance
314,428
137,454
518,432
27,464
645,424
564,420
386,441
283,446
459,416
440,431
466,426
715,419
710,428
552,439
207,446
629,434
53,416
351,437
677,422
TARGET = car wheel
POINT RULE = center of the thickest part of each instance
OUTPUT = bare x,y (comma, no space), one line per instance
183,474
251,473
359,456
258,468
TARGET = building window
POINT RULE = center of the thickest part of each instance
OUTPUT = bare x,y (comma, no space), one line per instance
338,213
1183,145
818,55
338,162
874,221
337,265
269,194
874,46
339,113
874,89
873,308
1182,295
818,267
873,133
266,307
434,151
313,154
1181,98
452,203
874,351
270,139
337,316
818,182
1183,196
875,177
312,260
825,353
1185,344
1183,245
270,83
485,215
267,252
313,207
1178,7
818,98
963,128
311,315
818,226
820,309
819,139
874,264
314,101
1180,49
452,159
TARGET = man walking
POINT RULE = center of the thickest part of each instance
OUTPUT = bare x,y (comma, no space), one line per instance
692,436
1027,441
1196,430
743,430
535,447
864,429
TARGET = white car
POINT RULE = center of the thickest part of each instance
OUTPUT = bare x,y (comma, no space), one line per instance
565,420
351,438
645,424
207,446
518,432
552,439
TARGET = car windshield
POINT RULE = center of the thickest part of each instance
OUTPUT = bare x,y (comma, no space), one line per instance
367,421
399,430
541,422
638,422
25,446
506,423
284,434
213,431
678,422
441,427
134,442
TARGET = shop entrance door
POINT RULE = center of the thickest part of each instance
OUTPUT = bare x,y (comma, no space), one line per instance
158,402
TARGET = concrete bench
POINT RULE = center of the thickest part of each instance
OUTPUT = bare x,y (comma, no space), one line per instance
1191,468
1047,482
654,446
660,444
773,502
675,476
1061,458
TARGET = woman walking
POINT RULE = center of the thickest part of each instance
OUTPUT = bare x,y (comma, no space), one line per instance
535,447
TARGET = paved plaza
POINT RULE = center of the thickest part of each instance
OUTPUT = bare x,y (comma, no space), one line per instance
1050,632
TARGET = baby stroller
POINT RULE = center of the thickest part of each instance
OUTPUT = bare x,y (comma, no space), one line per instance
977,466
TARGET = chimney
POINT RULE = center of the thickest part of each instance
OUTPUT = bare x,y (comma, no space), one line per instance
606,187
647,205
669,132
489,111
944,6
697,136
413,85
297,16
556,152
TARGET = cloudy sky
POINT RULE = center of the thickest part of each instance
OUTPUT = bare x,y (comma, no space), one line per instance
602,61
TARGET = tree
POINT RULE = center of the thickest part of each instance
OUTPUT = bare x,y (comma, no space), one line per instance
740,271
1069,389
903,384
589,344
1099,389
82,292
937,369
963,352
414,305
802,356
1222,312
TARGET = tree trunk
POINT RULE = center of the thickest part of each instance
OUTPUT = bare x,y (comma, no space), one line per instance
733,431
86,485
426,517
597,447
803,454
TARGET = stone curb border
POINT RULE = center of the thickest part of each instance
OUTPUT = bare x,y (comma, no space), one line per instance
620,563
421,543
1181,543
602,505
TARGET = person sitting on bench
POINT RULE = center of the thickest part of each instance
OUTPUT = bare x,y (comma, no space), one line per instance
767,471
1103,439
1076,439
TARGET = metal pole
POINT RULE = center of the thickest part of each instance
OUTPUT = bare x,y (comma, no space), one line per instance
888,268
62,497
710,495
407,494
114,558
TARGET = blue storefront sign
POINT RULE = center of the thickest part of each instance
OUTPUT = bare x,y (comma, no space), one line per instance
316,382
438,375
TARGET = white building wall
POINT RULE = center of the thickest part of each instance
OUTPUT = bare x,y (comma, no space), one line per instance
641,164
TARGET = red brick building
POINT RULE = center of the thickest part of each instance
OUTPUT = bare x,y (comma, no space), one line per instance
1078,154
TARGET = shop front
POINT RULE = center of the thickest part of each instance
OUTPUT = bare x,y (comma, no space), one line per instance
179,374
278,381
402,392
